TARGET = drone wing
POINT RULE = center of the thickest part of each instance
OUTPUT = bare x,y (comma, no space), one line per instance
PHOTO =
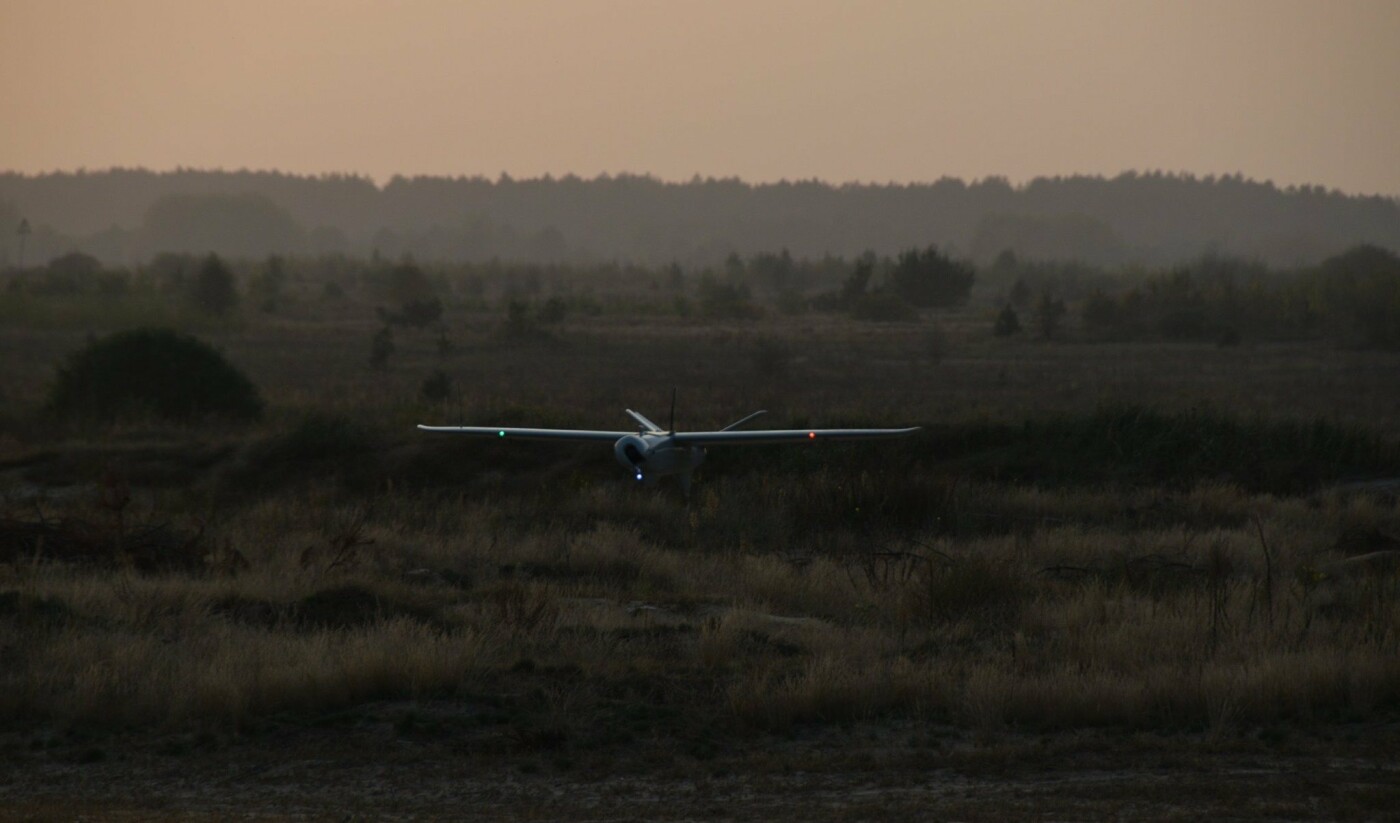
504,433
725,438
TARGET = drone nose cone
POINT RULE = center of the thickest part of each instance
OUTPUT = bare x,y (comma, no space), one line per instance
631,452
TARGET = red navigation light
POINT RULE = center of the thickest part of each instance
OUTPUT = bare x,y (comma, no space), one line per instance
811,435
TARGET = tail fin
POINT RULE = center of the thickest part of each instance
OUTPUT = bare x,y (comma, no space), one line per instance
737,423
647,425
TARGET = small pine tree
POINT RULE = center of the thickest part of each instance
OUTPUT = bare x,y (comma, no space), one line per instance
266,286
1049,313
518,320
1101,314
1020,293
381,348
936,344
1007,323
858,281
213,291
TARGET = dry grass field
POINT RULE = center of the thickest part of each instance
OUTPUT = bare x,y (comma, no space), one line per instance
1134,580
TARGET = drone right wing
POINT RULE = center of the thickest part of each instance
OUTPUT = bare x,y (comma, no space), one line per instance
722,438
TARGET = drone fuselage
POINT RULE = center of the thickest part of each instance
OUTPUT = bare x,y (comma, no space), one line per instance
651,456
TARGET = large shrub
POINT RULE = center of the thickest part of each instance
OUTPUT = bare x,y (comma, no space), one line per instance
929,278
152,372
725,300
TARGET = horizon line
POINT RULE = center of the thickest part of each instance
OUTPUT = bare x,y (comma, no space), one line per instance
381,182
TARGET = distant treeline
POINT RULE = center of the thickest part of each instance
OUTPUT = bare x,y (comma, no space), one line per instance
128,216
1351,299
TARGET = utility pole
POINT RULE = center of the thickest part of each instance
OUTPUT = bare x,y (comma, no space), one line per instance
24,232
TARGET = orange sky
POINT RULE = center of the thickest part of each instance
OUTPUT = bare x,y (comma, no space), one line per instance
1289,91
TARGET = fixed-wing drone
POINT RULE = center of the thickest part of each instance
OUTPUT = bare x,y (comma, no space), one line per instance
653,452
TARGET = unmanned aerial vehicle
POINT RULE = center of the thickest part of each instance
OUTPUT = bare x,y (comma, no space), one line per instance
652,452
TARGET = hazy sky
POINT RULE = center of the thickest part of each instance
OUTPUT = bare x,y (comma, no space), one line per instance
1290,91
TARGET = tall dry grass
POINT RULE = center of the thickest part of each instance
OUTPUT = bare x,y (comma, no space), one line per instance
1061,624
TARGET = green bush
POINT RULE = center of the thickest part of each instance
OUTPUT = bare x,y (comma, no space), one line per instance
417,314
317,448
152,372
725,300
929,278
437,387
213,290
407,283
883,307
553,311
322,437
1007,323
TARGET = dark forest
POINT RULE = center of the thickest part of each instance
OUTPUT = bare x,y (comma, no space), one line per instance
128,215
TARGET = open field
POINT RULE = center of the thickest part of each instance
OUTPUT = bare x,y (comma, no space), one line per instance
1141,580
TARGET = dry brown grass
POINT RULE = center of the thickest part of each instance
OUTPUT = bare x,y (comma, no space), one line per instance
1049,628
583,612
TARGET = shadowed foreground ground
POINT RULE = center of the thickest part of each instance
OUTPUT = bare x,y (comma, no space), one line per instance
1076,594
369,769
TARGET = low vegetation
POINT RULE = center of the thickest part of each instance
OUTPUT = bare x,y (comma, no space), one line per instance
1132,536
1208,609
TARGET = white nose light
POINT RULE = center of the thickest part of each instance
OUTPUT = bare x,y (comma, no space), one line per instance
639,475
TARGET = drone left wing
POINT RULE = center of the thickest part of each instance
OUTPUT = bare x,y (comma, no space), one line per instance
722,438
504,433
